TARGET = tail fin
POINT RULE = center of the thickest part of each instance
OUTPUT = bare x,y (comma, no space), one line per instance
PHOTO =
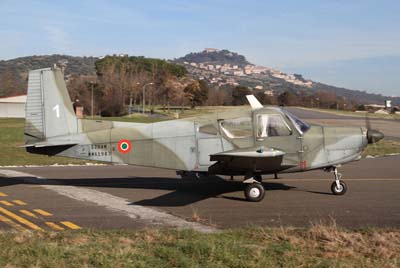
48,111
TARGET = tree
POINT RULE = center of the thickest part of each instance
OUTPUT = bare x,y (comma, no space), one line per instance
196,92
217,97
287,98
122,80
80,87
239,95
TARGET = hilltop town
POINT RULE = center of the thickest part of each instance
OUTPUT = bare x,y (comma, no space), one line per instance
218,62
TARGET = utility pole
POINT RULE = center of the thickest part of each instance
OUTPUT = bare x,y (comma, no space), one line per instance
144,94
92,99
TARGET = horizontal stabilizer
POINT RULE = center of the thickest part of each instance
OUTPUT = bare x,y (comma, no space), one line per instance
49,144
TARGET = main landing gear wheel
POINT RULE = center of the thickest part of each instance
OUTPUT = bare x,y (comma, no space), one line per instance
254,192
338,189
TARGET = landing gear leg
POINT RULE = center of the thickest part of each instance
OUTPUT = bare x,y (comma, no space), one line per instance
254,190
338,187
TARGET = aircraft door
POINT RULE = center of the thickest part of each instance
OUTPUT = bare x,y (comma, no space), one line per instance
208,142
273,131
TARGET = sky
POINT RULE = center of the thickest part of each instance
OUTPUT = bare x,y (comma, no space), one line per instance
353,43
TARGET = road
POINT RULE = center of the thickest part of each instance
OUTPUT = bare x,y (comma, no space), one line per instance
130,197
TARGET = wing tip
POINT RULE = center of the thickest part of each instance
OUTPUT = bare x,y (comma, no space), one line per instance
254,103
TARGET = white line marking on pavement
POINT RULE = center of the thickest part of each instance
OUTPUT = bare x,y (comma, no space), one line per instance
300,180
111,202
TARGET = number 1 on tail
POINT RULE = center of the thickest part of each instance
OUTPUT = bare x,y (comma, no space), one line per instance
57,109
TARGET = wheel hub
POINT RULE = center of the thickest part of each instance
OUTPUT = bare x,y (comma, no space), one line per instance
339,188
254,192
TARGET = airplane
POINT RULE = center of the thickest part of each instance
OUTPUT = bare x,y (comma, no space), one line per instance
248,142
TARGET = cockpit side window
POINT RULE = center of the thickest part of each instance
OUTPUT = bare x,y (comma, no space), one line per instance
270,125
241,127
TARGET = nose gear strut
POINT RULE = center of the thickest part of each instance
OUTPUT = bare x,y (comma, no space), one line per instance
338,187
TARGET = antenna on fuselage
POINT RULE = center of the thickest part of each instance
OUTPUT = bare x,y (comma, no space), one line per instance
254,103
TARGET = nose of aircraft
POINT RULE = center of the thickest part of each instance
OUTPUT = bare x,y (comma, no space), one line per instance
374,136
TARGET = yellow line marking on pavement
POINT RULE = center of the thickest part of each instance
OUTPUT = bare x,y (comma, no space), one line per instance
20,219
42,212
11,223
4,202
19,202
3,194
54,226
71,225
28,213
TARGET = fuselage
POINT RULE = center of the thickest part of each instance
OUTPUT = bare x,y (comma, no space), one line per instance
186,144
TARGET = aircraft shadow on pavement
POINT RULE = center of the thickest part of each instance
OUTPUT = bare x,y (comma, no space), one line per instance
183,191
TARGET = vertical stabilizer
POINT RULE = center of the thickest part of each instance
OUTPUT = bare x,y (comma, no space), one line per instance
49,110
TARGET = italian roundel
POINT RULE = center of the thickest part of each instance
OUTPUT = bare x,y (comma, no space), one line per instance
124,146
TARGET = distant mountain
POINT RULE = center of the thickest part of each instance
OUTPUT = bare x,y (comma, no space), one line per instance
219,67
14,73
215,57
226,68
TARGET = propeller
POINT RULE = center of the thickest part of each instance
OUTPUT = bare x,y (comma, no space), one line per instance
373,135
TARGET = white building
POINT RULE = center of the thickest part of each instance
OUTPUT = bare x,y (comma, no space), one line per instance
210,50
13,107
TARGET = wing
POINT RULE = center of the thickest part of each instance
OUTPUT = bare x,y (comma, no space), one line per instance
247,153
241,161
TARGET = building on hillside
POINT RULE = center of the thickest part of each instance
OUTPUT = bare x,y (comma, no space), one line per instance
270,92
13,107
210,50
388,104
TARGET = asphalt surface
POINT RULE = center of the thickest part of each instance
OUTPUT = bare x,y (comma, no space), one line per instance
130,197
390,128
373,198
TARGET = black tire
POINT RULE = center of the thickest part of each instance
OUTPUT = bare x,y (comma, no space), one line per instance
337,191
254,192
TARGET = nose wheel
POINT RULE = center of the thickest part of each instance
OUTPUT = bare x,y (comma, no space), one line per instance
338,187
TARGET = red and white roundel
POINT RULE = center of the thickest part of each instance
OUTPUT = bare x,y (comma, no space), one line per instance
124,146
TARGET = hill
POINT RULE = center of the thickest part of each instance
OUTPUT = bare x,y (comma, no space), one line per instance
215,57
221,68
14,73
224,68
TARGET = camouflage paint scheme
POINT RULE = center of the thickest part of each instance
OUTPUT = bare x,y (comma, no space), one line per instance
197,144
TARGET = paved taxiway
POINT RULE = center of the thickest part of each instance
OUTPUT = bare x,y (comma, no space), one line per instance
299,199
55,198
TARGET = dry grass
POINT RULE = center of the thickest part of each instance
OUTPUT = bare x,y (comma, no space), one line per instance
321,245
381,148
195,216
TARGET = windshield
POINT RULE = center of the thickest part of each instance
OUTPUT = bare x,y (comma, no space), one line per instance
299,124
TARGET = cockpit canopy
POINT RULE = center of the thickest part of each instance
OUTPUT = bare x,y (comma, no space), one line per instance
300,125
266,124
